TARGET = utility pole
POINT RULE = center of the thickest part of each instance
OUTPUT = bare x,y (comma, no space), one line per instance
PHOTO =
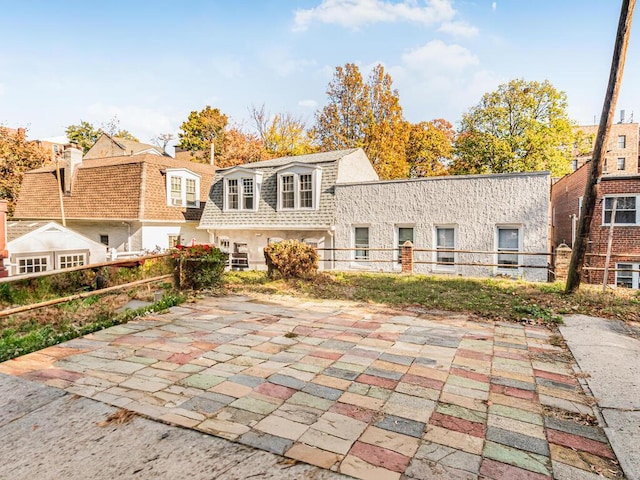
599,150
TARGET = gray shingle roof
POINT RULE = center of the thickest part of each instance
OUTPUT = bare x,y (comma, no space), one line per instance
267,215
310,158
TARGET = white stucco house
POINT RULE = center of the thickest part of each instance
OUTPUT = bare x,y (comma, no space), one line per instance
40,246
335,201
500,213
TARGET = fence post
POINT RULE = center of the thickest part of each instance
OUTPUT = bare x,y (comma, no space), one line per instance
563,257
407,257
3,238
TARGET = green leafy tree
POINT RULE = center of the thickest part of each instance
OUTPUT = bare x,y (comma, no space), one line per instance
17,156
200,130
521,127
84,135
367,115
430,147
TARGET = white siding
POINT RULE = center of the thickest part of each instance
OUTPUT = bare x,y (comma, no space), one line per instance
476,205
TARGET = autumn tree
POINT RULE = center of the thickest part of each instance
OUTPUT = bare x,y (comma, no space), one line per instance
429,148
365,114
521,127
342,123
283,134
17,156
200,130
239,148
386,130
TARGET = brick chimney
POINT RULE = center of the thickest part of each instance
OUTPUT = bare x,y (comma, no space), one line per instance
3,238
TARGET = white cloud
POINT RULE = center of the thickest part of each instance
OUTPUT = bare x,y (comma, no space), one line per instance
437,56
143,123
308,103
356,13
494,6
458,29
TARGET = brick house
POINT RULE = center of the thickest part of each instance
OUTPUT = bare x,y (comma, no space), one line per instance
131,203
622,149
566,203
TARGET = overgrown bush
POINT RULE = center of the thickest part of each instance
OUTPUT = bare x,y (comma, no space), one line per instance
293,259
198,266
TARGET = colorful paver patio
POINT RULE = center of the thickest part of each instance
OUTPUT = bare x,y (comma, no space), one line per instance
359,389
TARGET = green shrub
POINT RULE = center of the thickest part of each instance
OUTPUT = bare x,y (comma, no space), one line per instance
198,267
293,259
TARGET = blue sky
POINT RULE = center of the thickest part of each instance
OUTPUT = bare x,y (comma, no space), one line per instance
152,62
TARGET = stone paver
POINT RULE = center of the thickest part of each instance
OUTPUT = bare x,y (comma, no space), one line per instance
361,390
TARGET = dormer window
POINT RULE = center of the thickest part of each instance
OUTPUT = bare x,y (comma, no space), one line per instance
182,188
299,187
242,189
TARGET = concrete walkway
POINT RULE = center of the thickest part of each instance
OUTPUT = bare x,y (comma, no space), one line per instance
49,434
608,353
358,389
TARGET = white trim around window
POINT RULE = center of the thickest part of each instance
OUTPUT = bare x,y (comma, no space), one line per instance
626,210
71,259
508,239
401,233
628,275
298,187
32,264
361,242
241,190
183,188
445,238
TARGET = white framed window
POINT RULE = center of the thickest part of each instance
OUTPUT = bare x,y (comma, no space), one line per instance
626,210
445,237
182,188
508,242
247,193
403,234
361,243
299,187
306,190
191,192
621,163
72,260
224,244
33,264
173,240
628,275
622,141
287,192
574,164
241,189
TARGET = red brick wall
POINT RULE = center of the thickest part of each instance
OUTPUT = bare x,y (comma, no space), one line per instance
565,194
626,239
